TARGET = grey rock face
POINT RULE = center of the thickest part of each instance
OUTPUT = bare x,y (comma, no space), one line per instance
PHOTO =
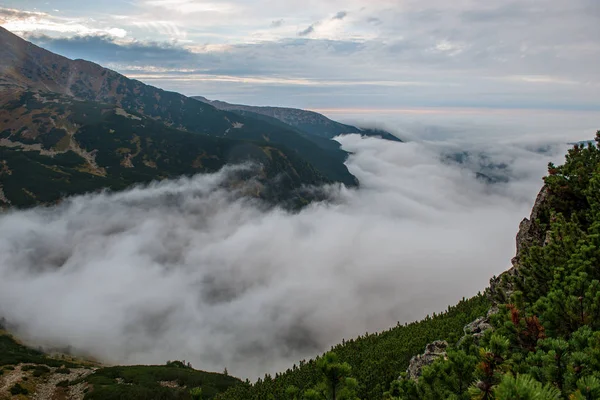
477,328
433,351
530,234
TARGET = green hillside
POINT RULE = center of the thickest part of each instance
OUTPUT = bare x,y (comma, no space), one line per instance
54,147
26,67
376,359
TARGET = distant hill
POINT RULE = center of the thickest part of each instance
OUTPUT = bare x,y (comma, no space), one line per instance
309,122
50,104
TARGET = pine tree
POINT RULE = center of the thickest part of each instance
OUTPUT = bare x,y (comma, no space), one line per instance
336,383
524,387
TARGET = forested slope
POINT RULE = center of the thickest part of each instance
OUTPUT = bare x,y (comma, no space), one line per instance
52,146
376,359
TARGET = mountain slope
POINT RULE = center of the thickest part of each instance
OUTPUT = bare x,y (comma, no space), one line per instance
309,122
27,67
376,359
52,146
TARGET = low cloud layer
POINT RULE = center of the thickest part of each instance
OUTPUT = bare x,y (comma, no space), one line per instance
183,270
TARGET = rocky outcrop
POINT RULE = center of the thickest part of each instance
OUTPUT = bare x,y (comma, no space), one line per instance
477,327
433,351
530,234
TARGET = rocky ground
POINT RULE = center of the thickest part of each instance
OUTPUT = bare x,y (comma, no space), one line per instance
46,386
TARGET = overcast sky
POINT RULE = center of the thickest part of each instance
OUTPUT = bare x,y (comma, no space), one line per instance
375,54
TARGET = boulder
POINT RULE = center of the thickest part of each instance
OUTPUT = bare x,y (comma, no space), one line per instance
433,351
477,328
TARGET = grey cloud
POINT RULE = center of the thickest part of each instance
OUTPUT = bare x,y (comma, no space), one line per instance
184,270
105,50
14,13
308,30
277,23
508,11
340,15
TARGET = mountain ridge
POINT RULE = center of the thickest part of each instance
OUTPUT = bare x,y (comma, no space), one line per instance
309,122
77,87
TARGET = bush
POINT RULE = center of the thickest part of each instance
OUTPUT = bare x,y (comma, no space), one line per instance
63,370
18,389
38,370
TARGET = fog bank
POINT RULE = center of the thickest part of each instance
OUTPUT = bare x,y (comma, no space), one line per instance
184,270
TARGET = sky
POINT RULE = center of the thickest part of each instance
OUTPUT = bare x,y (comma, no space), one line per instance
336,54
184,269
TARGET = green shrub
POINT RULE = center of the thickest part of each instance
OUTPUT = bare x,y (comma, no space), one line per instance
38,370
63,383
18,389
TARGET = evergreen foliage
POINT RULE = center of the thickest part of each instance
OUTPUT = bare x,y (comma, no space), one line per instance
546,338
375,359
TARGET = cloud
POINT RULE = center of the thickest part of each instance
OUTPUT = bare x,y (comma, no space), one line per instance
26,22
308,30
502,12
277,23
106,50
6,13
471,50
184,269
192,6
340,15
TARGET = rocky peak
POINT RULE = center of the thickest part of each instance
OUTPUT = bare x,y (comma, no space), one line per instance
530,234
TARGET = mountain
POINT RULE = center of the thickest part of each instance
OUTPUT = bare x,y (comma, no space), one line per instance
308,122
52,146
51,106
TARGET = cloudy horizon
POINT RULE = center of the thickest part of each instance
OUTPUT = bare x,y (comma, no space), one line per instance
384,54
